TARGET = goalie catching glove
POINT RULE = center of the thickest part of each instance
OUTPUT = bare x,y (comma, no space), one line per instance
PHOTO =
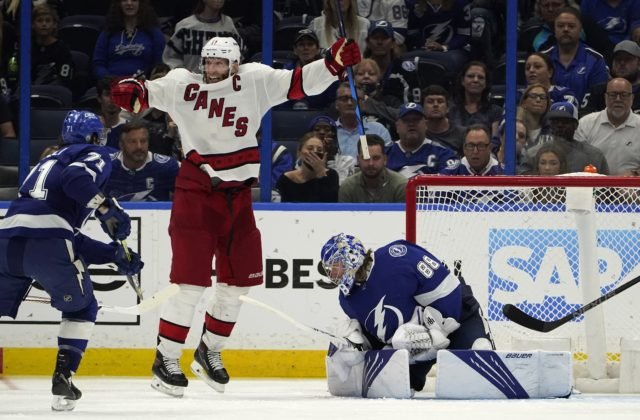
130,95
351,331
342,54
424,334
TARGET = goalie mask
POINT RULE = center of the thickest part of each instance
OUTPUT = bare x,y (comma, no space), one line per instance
81,127
221,47
342,256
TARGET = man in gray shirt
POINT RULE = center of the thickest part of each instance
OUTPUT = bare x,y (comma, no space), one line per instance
563,118
374,183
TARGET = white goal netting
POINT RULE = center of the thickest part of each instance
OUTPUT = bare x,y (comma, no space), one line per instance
545,244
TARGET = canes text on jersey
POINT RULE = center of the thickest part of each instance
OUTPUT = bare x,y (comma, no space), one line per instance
216,106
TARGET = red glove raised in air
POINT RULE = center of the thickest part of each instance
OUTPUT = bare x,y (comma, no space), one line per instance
343,53
130,95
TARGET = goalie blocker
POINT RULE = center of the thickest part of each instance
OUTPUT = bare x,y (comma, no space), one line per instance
486,374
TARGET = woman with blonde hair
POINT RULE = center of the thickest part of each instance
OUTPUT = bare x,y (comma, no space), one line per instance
327,26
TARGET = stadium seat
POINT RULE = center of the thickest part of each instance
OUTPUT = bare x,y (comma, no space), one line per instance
51,96
47,123
9,151
499,74
291,124
8,193
286,30
431,72
89,100
80,32
84,7
281,58
8,176
37,146
82,74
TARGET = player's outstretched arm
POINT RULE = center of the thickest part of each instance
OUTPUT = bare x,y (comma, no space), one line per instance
130,95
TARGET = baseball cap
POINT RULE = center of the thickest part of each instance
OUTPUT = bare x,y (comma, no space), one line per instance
306,33
628,46
563,110
319,119
381,25
408,108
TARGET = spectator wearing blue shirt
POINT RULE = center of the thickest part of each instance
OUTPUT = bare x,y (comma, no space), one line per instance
576,66
138,174
347,123
443,30
414,154
131,43
477,158
621,18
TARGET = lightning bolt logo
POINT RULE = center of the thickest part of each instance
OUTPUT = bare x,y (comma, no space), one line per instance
378,319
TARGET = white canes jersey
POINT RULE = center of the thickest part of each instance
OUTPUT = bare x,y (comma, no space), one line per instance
218,121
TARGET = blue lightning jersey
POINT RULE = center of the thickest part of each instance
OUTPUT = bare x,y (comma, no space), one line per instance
403,276
429,158
154,181
54,200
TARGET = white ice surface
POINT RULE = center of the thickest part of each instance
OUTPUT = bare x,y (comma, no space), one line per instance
132,398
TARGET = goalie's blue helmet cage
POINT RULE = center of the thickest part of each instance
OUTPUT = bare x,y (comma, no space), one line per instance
81,127
346,251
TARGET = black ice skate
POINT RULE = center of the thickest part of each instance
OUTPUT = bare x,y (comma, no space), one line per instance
65,393
168,377
207,365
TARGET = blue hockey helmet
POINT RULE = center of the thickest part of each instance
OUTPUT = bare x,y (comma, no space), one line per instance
83,127
342,256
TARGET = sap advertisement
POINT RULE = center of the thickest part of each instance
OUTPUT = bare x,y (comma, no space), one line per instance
536,269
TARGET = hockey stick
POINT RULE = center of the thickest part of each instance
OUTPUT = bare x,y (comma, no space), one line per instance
354,94
144,306
134,281
521,318
298,324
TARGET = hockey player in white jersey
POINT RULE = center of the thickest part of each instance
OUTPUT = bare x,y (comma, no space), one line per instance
212,215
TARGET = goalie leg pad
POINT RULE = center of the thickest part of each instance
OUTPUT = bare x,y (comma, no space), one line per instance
491,374
370,374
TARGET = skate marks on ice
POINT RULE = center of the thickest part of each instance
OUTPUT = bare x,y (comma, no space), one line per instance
110,398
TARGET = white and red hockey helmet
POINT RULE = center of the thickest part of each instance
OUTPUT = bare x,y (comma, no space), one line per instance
222,47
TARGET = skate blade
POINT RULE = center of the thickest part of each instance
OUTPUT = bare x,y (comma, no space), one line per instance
171,390
61,403
200,373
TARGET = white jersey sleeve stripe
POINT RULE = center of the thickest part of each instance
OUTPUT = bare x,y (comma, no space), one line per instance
448,285
31,221
86,168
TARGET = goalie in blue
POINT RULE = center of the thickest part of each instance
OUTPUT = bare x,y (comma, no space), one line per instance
400,296
40,240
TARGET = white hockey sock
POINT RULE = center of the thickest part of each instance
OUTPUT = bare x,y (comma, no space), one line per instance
222,314
176,319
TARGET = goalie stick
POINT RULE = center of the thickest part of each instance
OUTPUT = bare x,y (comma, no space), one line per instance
145,305
296,323
521,318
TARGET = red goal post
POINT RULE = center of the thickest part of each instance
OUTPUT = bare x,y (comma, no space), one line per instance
545,244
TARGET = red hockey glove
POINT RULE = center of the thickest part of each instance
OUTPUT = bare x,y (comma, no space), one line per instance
130,95
343,53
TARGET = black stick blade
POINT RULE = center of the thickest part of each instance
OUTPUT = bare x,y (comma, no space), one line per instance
521,318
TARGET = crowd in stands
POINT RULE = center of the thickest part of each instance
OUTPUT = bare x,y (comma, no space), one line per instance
430,87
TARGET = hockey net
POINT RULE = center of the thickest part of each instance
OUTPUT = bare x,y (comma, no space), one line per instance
547,245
